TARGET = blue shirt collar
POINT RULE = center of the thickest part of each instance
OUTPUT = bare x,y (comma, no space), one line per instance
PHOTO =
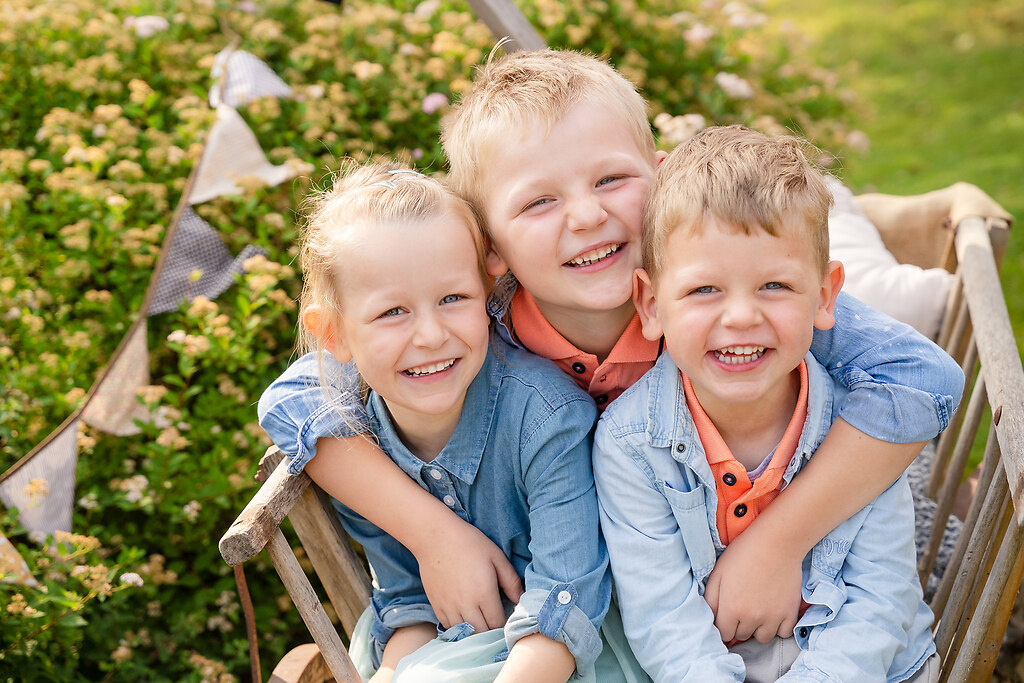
461,456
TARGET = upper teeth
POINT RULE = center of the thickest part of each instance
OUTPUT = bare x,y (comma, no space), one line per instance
739,354
430,369
595,255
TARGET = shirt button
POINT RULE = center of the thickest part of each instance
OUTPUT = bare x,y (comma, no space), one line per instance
740,510
729,478
435,474
579,368
680,447
564,597
601,400
449,501
803,631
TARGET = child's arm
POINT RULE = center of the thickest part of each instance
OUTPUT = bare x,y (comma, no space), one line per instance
883,614
904,390
668,623
403,641
538,659
568,587
461,568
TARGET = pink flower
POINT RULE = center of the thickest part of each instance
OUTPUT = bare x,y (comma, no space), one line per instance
433,102
417,154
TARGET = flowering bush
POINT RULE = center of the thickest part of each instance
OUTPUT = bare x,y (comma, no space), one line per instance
103,118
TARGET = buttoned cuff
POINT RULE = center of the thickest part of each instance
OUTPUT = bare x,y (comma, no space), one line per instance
390,620
892,413
555,614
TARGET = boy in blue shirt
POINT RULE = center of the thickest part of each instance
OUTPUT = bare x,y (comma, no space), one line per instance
735,278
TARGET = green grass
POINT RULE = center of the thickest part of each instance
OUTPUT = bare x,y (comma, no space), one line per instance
941,99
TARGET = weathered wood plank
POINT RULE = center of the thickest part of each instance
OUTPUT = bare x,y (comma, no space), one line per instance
302,664
253,528
505,20
996,349
310,609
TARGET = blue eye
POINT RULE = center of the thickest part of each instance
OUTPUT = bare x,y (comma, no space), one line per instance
536,202
608,179
774,285
391,312
452,298
706,289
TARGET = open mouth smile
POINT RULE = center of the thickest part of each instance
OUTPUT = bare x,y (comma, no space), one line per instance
595,256
431,369
739,355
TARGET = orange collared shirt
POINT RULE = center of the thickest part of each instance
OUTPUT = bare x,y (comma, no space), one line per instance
629,359
739,500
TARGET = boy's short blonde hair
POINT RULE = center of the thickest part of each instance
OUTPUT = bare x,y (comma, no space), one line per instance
740,177
361,199
531,90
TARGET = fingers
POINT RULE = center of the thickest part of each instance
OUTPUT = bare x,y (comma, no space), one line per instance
492,612
744,630
475,618
787,626
764,634
711,594
509,582
444,619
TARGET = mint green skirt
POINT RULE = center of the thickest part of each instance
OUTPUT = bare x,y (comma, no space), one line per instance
471,660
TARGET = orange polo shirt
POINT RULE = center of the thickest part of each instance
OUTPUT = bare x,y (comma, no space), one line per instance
739,500
629,359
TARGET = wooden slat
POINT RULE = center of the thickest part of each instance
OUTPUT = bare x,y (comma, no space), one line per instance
953,434
505,20
247,536
336,564
996,348
956,293
310,609
302,664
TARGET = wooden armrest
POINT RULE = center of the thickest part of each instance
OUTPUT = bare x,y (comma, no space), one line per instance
303,664
247,536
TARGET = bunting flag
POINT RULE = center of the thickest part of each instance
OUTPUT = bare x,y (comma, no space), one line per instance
113,406
42,484
241,77
13,568
232,152
197,263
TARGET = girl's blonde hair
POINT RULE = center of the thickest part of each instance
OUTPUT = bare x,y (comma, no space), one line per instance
360,198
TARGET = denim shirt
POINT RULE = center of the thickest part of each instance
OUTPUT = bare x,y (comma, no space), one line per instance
517,468
866,621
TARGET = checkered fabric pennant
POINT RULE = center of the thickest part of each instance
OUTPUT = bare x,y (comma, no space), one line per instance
241,77
232,152
195,248
43,487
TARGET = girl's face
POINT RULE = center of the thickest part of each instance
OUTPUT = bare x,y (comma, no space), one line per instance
414,316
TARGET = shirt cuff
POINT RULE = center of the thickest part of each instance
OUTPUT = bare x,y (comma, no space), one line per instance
555,614
912,415
390,620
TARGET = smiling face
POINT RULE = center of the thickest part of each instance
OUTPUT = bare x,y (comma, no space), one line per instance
564,212
413,317
737,310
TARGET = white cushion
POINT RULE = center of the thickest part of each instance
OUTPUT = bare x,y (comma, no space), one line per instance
914,295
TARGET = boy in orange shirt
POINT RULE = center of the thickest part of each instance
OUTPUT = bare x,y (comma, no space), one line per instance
555,151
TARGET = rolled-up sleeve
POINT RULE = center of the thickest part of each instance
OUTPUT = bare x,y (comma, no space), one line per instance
295,410
568,586
903,388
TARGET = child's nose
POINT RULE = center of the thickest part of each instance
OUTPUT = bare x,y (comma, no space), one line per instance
431,332
586,212
741,312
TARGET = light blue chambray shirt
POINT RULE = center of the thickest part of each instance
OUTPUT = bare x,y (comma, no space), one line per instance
867,620
518,468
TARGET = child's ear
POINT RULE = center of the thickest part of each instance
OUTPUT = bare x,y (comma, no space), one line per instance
659,156
317,322
496,266
835,275
646,306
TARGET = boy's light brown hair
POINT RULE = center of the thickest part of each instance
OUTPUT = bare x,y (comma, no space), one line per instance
528,91
743,178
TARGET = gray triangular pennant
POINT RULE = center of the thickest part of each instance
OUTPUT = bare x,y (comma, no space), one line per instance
43,488
195,248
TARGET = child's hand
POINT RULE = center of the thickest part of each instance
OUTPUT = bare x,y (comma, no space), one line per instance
461,575
754,591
